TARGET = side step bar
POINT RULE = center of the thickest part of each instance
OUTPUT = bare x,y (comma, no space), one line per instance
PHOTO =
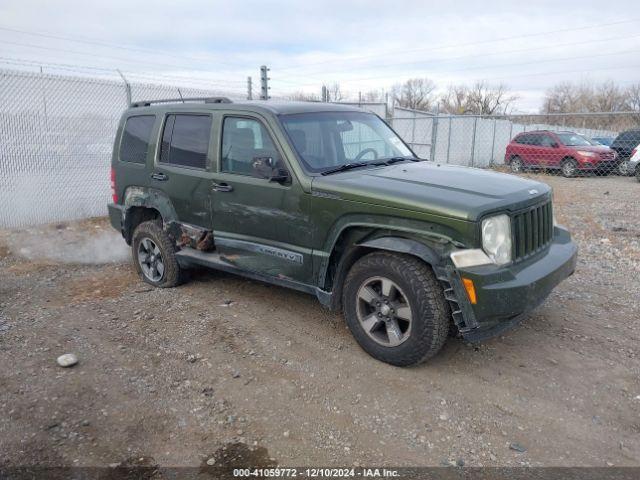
189,257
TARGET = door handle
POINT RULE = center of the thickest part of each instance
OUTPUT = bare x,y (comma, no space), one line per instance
161,177
222,187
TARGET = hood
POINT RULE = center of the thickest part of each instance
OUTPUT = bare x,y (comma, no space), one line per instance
445,190
592,148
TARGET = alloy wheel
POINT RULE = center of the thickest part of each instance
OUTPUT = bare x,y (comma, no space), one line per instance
150,260
383,311
568,169
623,168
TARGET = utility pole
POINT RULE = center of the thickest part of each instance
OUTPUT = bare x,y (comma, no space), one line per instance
325,94
249,89
264,83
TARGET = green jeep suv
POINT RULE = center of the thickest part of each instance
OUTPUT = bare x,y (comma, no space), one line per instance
327,199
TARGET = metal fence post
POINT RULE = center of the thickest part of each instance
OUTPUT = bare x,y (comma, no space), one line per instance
449,139
473,141
127,88
493,143
413,129
434,137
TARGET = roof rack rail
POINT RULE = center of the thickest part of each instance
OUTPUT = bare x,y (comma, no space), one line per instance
147,103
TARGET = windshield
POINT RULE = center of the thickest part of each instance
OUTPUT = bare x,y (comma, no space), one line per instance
326,140
603,140
574,140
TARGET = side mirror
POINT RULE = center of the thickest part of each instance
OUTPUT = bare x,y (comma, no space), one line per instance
555,145
267,168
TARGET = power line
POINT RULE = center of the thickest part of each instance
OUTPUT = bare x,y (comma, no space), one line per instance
202,82
462,57
89,41
360,79
120,59
467,44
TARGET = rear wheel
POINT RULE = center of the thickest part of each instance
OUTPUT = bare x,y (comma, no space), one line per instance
569,168
516,165
395,308
154,255
623,168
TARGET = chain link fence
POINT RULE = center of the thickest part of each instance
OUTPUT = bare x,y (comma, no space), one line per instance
56,139
572,144
57,133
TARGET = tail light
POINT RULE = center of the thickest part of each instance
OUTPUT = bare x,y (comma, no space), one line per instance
114,194
633,152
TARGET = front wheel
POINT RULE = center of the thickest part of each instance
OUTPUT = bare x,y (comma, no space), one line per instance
395,308
516,165
154,256
569,168
623,168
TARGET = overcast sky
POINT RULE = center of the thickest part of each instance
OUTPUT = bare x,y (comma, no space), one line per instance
363,45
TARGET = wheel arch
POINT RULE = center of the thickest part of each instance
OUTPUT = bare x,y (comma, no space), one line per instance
355,242
143,204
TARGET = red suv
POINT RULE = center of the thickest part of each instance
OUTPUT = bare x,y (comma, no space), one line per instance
569,152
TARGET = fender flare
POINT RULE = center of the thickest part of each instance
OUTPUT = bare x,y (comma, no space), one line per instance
405,245
388,243
146,198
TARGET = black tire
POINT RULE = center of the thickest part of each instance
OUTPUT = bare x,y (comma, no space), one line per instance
638,172
516,165
171,273
623,168
569,168
430,316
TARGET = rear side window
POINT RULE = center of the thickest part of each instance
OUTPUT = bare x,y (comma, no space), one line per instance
523,139
135,138
185,140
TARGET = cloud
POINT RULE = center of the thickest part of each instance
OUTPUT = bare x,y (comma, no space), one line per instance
361,44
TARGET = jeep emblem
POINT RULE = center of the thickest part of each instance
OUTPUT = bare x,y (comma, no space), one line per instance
533,191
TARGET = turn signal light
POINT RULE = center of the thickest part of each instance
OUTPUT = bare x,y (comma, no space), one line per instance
471,290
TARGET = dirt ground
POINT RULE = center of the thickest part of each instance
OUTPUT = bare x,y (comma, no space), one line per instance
170,377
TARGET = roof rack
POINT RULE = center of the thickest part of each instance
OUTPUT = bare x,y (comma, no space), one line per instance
147,103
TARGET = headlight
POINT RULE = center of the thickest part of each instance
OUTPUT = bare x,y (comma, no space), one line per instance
587,154
496,238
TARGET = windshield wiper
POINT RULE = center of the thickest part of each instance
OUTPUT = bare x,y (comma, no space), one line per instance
349,166
392,160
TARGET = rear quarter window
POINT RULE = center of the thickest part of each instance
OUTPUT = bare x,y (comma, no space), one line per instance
136,136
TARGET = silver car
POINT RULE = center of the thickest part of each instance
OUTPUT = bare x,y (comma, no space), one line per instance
634,160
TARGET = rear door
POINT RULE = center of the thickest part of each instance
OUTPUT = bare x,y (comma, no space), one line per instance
549,153
259,225
181,165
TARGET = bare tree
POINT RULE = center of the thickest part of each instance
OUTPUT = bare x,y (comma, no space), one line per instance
485,99
455,101
480,99
567,97
632,98
373,96
415,93
301,96
335,93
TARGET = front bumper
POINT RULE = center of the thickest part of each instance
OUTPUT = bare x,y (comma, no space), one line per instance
506,294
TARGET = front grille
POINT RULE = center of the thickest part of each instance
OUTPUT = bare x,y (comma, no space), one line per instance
607,156
532,230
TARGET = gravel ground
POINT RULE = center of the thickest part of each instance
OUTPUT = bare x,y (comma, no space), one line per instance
221,364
